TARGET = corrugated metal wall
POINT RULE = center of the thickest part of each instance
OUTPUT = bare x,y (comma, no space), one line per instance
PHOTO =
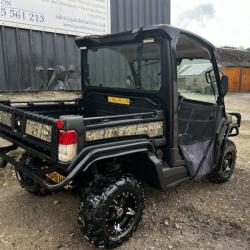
34,60
130,14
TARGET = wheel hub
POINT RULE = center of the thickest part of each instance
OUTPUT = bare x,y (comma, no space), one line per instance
228,160
120,212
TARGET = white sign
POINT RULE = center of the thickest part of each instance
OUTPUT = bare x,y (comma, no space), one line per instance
75,17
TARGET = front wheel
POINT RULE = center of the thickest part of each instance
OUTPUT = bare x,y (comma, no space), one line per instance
224,172
111,211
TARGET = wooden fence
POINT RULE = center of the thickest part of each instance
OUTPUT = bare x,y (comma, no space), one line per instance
239,79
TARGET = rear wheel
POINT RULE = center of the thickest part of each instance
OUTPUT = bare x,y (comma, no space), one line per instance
3,163
29,184
224,172
111,211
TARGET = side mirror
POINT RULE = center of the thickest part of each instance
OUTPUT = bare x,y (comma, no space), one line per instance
224,83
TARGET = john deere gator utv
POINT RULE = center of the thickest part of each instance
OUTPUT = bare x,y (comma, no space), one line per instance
152,109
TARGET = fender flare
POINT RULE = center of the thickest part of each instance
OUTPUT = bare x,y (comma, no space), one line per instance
93,153
85,158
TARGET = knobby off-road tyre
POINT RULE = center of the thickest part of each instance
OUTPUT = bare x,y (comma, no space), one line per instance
3,163
110,210
224,172
30,185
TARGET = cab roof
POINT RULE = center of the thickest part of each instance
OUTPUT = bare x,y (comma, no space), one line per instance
168,31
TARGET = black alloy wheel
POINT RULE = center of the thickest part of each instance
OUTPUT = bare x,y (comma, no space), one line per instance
226,168
121,215
228,163
110,210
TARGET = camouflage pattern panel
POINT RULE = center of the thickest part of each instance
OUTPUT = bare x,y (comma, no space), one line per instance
38,130
5,118
150,129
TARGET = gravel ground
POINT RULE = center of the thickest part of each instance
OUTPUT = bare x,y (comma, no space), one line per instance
195,215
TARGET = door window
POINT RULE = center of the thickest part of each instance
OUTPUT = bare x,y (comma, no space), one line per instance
196,80
195,72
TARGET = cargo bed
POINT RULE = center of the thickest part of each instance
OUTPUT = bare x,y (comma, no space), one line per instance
33,126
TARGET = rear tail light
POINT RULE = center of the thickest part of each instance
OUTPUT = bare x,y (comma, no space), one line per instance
67,148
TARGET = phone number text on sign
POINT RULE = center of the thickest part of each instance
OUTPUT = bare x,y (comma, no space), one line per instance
71,17
17,14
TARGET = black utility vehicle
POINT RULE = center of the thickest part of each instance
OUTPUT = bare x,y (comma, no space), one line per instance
152,109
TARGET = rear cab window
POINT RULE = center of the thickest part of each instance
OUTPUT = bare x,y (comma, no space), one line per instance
125,66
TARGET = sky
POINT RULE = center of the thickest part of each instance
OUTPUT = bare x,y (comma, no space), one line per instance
222,22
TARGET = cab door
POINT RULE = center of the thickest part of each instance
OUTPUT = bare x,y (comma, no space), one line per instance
198,110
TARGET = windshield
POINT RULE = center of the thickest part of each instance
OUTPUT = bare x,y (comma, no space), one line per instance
134,66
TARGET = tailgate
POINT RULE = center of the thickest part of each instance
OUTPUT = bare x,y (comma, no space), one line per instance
35,133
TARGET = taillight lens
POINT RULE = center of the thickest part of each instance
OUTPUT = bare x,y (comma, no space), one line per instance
67,145
68,137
